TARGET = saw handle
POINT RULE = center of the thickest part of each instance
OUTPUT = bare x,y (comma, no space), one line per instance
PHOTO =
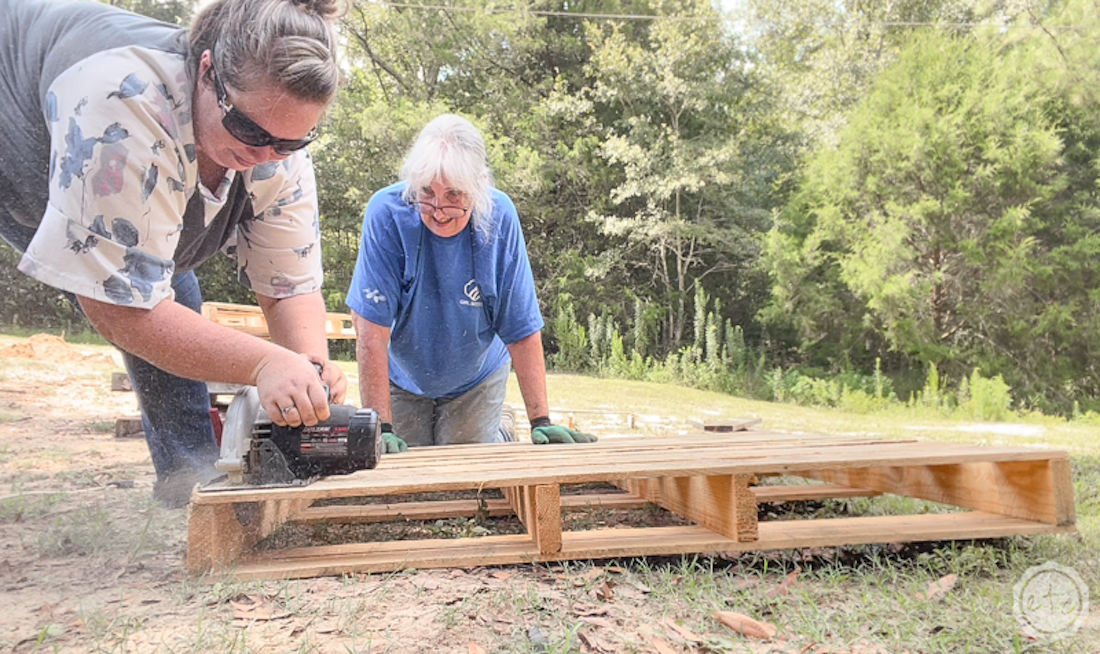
320,368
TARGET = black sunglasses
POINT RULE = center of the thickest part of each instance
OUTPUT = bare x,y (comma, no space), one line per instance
242,128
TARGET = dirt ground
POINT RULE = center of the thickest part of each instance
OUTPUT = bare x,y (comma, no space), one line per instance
88,563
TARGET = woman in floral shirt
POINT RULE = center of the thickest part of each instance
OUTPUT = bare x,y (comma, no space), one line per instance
130,152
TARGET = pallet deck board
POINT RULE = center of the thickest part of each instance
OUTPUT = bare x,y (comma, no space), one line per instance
524,465
703,477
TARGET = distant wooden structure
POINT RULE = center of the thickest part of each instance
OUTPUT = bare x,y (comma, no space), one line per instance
250,320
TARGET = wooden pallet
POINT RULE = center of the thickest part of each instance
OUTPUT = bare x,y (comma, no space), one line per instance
250,320
703,477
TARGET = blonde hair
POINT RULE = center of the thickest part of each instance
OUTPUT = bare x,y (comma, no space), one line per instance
451,148
288,43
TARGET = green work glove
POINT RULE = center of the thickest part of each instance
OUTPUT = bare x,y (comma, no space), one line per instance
542,432
391,444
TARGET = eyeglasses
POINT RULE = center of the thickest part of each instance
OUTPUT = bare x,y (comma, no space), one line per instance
242,128
429,209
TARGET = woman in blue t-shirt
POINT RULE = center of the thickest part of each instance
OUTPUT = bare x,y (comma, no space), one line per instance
444,300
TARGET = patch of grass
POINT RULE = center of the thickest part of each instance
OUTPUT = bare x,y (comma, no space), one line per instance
112,632
874,594
83,478
101,427
83,532
28,507
1086,485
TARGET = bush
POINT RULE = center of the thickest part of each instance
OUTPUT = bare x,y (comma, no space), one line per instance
984,399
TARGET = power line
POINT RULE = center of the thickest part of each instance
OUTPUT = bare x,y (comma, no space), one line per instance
542,12
640,17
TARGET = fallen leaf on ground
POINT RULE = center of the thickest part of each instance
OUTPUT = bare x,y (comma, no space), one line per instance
594,642
682,632
661,646
784,587
503,576
939,588
604,592
581,609
599,622
746,626
476,649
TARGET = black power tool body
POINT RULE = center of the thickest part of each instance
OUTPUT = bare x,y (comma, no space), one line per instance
346,442
257,452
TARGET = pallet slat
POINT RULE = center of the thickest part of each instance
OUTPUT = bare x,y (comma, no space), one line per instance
440,509
598,466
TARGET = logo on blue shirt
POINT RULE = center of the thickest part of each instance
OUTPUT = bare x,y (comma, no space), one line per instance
473,294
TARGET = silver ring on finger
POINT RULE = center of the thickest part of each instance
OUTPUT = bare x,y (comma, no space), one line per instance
288,410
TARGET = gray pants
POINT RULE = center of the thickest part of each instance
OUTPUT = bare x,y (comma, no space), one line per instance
473,417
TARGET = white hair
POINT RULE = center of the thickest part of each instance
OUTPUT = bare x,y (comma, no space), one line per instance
451,148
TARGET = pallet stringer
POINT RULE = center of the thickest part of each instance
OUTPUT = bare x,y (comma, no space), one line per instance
1030,490
724,504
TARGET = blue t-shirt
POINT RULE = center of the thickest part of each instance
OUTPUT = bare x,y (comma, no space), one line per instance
451,303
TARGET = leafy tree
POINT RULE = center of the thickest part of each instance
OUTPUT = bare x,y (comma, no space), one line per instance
942,220
177,12
823,54
691,133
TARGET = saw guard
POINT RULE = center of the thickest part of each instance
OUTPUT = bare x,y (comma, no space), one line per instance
237,433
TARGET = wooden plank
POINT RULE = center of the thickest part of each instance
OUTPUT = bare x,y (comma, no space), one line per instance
1065,507
544,517
726,425
219,535
596,467
808,492
251,320
1030,490
339,326
129,427
611,543
684,445
516,500
724,504
120,381
442,509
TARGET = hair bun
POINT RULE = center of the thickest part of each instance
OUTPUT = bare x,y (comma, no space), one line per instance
325,8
